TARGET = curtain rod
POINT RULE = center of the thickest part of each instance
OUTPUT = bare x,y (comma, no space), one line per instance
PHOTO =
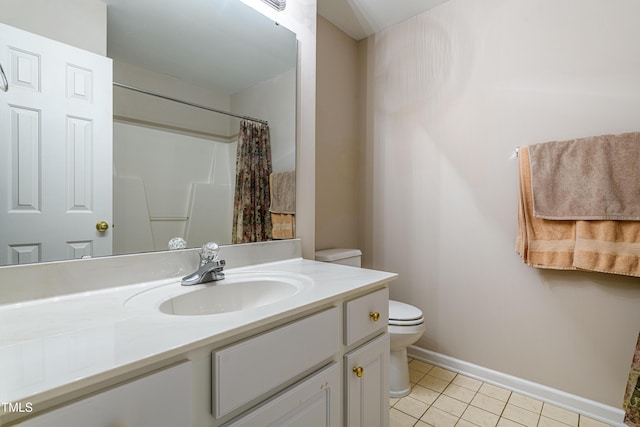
191,104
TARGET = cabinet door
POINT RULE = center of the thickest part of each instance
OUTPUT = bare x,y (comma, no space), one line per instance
315,402
367,384
161,399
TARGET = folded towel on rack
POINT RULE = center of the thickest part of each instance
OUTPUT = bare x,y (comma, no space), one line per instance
595,178
608,246
541,243
283,192
604,246
283,226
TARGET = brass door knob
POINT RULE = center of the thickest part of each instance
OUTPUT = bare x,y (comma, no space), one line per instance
102,226
375,316
359,371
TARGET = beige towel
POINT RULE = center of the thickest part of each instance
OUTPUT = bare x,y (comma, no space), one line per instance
541,243
283,192
283,226
595,178
605,246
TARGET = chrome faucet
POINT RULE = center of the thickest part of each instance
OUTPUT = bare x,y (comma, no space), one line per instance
210,269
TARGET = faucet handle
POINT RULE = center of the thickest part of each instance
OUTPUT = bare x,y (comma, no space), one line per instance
209,252
177,243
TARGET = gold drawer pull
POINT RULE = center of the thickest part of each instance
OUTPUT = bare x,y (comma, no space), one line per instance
359,371
374,315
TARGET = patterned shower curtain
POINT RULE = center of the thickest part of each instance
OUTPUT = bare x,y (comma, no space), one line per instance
251,218
632,394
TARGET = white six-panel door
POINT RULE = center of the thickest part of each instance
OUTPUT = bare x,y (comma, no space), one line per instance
55,150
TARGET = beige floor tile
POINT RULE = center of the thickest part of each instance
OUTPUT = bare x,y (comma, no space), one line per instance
400,419
520,415
482,401
443,374
495,392
590,422
411,406
505,422
415,376
438,418
433,383
424,394
460,393
420,366
549,422
560,414
526,402
421,424
450,405
465,423
480,417
392,401
466,382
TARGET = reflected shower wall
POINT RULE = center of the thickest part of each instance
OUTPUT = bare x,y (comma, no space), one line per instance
168,184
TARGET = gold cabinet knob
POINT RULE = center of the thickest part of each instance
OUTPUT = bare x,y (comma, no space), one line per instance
359,371
102,226
374,315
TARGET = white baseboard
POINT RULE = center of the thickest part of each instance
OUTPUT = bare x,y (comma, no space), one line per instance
592,409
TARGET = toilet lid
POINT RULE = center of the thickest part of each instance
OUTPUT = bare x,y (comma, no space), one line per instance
402,314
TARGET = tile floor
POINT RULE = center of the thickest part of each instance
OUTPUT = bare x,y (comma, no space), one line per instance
441,398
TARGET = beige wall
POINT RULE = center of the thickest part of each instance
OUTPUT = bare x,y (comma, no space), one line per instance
455,91
80,23
336,138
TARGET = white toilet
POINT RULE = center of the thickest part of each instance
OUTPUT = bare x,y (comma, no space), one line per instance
406,325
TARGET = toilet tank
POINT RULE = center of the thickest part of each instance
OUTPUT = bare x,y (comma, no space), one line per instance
340,256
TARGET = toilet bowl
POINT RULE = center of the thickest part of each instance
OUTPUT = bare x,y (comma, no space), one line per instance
406,325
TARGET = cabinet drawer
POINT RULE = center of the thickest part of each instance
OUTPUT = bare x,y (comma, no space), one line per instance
360,319
248,370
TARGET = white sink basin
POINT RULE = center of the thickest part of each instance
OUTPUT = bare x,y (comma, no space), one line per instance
220,298
238,291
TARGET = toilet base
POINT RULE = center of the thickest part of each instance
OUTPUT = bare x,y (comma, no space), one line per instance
399,385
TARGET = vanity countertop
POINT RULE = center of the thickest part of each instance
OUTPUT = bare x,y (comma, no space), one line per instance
53,346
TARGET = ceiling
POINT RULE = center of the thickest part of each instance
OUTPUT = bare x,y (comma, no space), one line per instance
362,18
225,39
223,45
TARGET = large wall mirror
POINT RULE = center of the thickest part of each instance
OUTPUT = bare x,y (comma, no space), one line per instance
173,163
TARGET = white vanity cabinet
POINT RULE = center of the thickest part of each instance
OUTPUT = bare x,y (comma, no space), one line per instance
254,369
366,364
326,366
158,399
328,369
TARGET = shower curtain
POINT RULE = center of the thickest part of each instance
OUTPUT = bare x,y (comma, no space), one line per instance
632,394
251,218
